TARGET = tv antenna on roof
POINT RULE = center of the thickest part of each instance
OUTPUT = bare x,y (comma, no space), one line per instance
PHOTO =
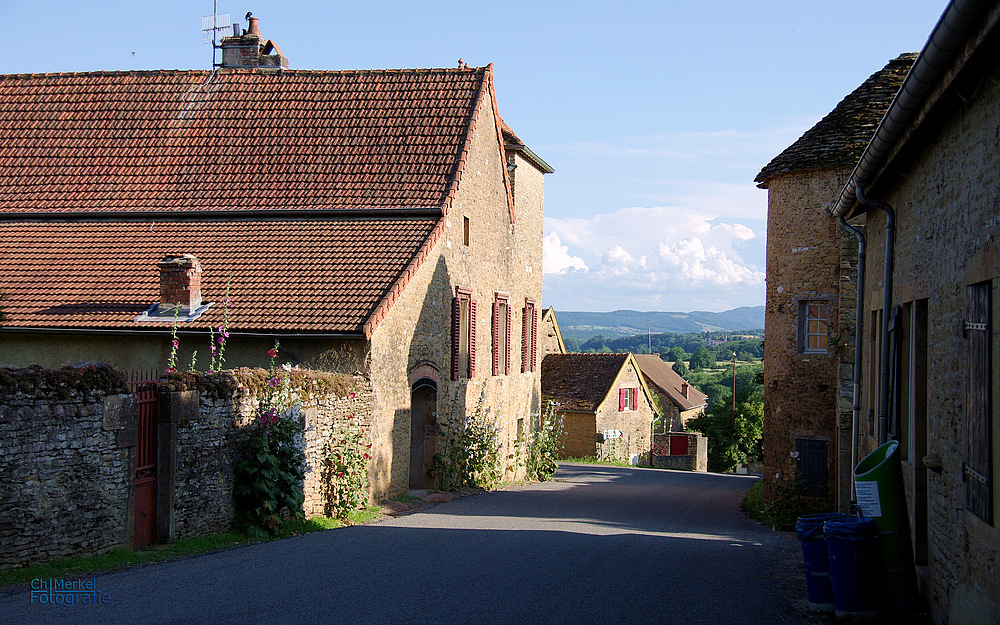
211,25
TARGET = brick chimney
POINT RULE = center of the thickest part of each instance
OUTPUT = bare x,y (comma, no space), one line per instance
180,284
250,50
684,390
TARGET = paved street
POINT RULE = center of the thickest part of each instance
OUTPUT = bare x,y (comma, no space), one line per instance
596,545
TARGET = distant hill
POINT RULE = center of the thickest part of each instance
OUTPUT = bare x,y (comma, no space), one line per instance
585,325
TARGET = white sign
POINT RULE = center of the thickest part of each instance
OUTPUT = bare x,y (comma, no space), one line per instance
868,500
612,434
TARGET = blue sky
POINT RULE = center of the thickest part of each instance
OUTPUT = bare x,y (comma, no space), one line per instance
657,116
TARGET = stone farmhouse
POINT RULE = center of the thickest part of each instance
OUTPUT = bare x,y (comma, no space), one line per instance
386,222
811,296
925,194
679,401
550,340
606,406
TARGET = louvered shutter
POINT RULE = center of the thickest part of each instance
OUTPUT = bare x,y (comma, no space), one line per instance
977,470
472,338
456,335
496,337
506,365
635,399
534,339
525,340
622,393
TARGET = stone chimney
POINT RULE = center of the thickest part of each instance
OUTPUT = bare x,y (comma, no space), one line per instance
684,390
250,50
180,285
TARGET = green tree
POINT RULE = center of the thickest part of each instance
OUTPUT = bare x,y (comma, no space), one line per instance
680,368
702,359
676,354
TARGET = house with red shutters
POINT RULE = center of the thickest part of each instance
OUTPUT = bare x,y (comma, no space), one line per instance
386,222
606,406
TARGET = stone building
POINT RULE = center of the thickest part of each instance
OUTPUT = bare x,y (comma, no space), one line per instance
386,222
810,297
606,407
550,340
679,401
931,366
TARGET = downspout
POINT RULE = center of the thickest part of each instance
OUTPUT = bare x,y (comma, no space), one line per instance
890,237
859,317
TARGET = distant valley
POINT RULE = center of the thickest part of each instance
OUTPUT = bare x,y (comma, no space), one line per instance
585,325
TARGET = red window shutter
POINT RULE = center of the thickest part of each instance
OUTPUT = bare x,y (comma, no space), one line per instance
456,334
621,400
506,364
635,399
472,338
525,341
534,339
496,337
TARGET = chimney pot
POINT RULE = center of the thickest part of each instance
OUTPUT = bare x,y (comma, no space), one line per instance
254,28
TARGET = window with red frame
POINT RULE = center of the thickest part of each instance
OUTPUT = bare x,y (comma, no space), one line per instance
463,334
529,337
501,334
628,399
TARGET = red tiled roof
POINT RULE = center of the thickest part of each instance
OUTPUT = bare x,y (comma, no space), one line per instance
287,275
234,139
580,381
664,376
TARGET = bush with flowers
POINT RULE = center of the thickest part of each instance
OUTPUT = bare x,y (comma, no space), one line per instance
544,445
269,481
469,448
346,471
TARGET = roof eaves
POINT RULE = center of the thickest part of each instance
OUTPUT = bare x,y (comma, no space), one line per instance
962,27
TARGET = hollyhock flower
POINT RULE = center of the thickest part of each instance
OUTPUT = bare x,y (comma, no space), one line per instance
177,343
273,416
222,340
273,353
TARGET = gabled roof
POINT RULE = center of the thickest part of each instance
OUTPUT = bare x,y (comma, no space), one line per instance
234,139
663,375
319,192
838,139
581,382
549,314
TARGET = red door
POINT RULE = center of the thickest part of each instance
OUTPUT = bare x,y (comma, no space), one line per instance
678,445
144,526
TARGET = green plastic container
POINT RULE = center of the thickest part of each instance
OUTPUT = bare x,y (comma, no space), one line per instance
878,481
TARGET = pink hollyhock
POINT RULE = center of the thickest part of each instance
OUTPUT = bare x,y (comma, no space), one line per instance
176,343
273,353
273,416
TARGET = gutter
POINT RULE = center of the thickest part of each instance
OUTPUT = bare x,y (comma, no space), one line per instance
858,360
960,19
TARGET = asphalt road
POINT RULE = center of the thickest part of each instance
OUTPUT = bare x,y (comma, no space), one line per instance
595,545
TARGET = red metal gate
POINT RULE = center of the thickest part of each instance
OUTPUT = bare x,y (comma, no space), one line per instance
144,385
679,445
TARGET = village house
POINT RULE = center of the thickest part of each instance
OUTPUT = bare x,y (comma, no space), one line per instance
926,191
386,222
606,407
550,340
811,297
679,401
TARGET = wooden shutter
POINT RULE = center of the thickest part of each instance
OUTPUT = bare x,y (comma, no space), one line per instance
525,339
812,475
506,364
496,337
456,335
977,470
472,338
534,339
621,399
635,399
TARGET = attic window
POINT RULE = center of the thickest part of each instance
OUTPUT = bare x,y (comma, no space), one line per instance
628,399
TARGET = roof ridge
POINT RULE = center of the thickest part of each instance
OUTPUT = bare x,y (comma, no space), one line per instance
255,70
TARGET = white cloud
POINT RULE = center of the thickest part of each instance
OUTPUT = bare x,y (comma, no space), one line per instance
556,259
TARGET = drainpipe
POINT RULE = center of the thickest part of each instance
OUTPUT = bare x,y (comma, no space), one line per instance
859,317
890,237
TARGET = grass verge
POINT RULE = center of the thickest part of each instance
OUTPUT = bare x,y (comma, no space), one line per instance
596,460
82,566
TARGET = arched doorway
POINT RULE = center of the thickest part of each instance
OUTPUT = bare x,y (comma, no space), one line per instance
423,432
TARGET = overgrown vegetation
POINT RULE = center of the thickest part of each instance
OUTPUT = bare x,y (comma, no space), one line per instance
469,447
785,509
544,445
62,383
734,436
346,468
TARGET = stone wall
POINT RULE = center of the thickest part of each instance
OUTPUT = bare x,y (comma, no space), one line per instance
635,425
66,441
695,460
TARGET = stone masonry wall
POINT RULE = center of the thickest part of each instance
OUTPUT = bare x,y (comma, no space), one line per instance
633,424
66,441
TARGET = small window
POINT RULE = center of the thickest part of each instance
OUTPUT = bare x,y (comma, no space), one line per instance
466,231
463,335
811,476
501,335
529,337
814,327
628,399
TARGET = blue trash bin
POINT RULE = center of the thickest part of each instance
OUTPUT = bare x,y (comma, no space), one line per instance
855,566
809,529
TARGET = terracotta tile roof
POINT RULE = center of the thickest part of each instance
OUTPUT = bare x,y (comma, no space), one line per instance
580,381
839,139
234,139
287,275
664,376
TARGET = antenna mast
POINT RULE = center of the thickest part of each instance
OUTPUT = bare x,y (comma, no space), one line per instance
210,27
